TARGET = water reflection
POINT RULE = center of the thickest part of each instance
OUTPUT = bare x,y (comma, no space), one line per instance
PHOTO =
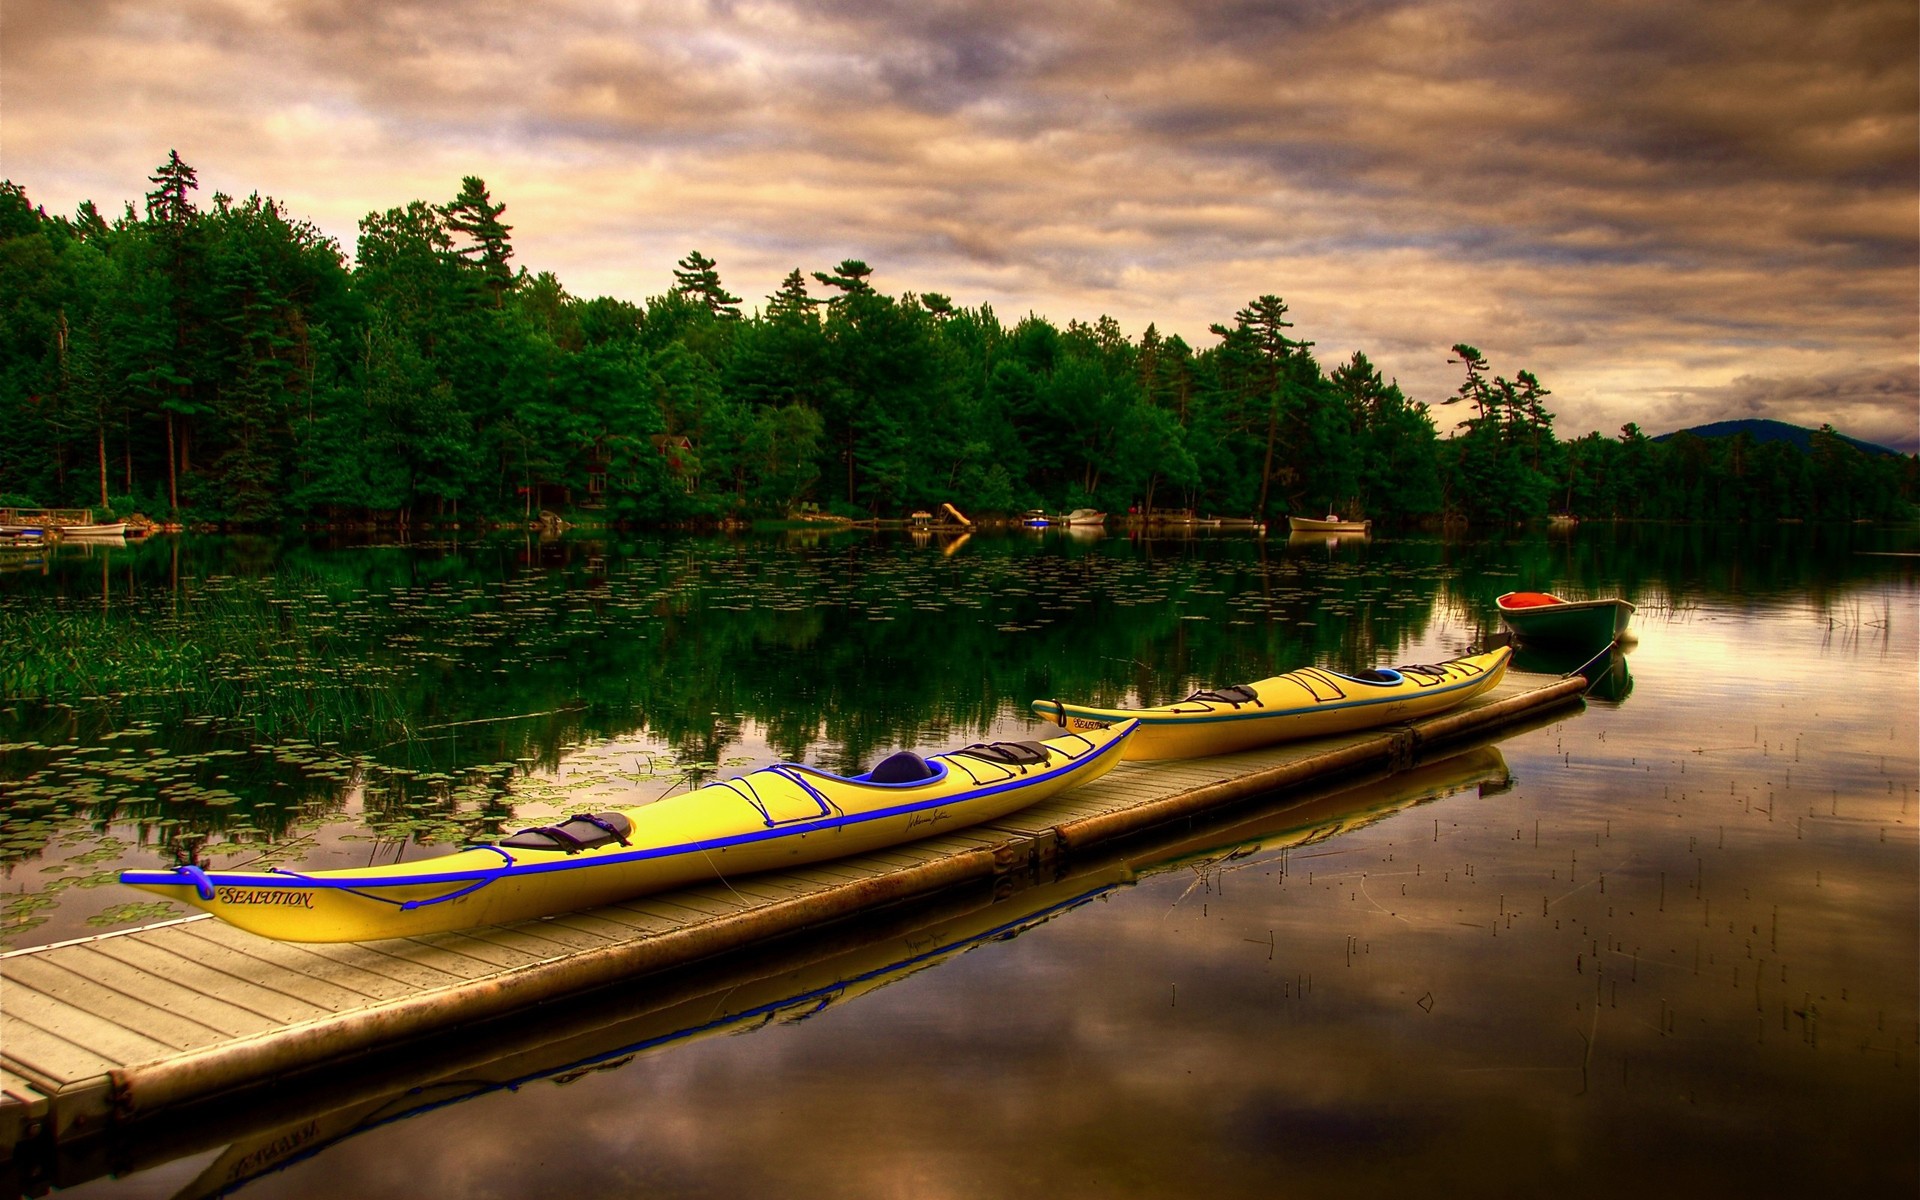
1606,669
1676,950
754,991
1330,542
330,701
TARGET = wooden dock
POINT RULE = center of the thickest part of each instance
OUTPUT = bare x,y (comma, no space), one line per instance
109,1032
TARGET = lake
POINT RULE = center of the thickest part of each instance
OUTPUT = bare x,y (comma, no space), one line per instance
1670,941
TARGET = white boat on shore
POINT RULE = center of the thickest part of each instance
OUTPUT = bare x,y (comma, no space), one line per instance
1328,524
57,522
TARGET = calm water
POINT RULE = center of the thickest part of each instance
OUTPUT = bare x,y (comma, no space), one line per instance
1669,942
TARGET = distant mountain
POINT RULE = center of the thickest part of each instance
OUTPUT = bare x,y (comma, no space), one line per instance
1761,430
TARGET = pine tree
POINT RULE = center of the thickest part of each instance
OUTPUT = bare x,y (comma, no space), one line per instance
849,278
170,217
695,277
88,224
791,302
1529,408
1474,387
168,204
474,214
1258,335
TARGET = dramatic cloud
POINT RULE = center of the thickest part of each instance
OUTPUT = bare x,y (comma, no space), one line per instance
1652,205
1878,403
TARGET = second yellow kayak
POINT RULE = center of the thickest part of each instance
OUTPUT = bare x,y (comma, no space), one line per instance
1311,702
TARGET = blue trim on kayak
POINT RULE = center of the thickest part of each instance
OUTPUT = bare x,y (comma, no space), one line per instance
1147,716
491,874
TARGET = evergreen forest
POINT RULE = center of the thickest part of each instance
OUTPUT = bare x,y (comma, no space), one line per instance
211,359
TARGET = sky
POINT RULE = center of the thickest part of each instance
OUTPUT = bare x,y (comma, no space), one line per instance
1671,212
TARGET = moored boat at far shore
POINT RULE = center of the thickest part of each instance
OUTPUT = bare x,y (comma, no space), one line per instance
1331,523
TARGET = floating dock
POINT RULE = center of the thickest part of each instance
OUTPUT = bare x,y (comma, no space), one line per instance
130,1029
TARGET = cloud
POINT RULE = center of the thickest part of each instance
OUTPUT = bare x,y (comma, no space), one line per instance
1624,197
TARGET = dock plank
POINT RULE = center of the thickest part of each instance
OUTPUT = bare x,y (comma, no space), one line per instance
644,922
703,906
836,871
169,1028
210,981
103,1038
412,975
746,891
661,907
897,857
611,926
303,960
440,958
492,945
571,935
322,993
20,1090
775,887
49,1056
151,990
544,939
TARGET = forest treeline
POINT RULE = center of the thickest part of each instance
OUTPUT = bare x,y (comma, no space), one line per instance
223,360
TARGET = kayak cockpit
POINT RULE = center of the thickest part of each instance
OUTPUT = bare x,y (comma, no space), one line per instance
1376,676
582,831
902,766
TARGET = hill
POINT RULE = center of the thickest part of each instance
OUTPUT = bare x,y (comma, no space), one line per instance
1761,430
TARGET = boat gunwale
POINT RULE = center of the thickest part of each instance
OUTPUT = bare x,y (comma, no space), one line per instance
1560,605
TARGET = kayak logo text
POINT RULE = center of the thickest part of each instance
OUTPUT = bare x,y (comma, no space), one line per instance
274,897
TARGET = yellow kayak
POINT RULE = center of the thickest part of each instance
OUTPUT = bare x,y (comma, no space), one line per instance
781,816
1311,702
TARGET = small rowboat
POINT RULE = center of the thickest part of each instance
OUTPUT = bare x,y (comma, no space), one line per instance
1328,524
1311,702
1544,617
781,816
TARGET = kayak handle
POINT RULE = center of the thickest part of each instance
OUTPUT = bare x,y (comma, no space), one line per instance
201,883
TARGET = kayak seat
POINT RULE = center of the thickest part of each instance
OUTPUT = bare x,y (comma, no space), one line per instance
1008,754
902,767
1376,675
1236,695
582,831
